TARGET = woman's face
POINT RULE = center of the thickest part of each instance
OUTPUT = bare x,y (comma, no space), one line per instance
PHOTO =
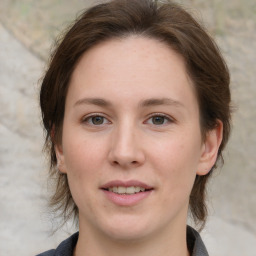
131,143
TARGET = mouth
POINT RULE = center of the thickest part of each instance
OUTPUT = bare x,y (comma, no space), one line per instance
126,193
126,190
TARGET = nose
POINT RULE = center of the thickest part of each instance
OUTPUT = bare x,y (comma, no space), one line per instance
126,148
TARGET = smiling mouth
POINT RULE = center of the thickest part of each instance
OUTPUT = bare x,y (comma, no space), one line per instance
127,190
126,193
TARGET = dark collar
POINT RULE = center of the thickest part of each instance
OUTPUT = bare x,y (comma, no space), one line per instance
194,242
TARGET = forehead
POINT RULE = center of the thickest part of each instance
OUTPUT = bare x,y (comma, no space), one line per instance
134,65
116,53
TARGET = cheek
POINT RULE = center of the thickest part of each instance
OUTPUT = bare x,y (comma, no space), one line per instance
84,155
177,152
176,161
83,160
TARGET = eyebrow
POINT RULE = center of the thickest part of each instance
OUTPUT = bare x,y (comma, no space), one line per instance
93,101
162,101
145,103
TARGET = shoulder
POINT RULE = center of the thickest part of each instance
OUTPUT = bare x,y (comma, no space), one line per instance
195,243
47,253
65,248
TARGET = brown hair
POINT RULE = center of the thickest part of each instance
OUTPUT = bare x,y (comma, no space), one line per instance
165,21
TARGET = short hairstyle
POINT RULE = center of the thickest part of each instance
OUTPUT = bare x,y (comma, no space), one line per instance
164,21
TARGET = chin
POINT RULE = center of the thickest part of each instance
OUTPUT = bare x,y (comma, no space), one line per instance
122,235
130,230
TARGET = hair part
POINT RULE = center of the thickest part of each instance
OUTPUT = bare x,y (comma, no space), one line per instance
165,21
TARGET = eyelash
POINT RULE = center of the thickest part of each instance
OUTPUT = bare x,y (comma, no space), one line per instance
167,118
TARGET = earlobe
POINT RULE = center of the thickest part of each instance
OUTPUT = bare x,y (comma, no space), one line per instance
210,149
60,158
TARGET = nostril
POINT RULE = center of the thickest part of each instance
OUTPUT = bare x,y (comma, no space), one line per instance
132,163
115,163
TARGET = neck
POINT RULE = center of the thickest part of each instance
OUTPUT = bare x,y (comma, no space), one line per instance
163,243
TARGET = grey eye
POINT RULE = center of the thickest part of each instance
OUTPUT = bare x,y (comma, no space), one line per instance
158,120
97,120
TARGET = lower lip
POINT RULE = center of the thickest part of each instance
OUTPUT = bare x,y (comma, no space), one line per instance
126,200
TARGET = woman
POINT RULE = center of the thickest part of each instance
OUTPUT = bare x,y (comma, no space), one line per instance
136,107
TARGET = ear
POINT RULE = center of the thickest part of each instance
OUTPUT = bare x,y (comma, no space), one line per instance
60,158
210,149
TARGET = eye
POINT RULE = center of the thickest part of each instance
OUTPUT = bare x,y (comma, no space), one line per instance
159,119
95,120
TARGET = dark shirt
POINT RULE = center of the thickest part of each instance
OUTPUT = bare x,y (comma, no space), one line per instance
195,245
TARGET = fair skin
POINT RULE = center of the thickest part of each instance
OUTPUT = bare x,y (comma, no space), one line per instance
132,120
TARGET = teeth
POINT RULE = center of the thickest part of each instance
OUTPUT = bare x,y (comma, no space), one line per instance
126,190
121,190
137,189
130,190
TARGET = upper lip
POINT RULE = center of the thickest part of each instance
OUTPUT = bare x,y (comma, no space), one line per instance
129,183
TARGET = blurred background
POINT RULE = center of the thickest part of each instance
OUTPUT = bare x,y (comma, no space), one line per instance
27,32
